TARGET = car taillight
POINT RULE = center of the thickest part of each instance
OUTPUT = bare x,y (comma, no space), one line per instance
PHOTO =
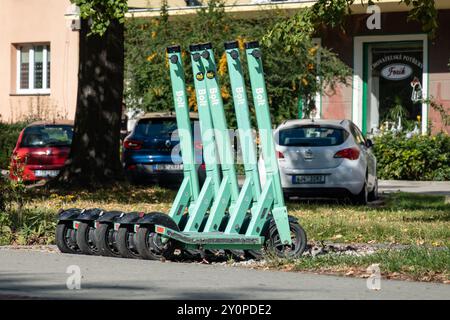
349,153
280,155
132,144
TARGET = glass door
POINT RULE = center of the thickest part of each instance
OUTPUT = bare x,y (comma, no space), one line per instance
392,77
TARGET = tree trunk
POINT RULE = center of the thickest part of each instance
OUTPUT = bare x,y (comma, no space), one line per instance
95,154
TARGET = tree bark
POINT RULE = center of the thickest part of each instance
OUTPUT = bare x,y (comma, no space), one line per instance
95,154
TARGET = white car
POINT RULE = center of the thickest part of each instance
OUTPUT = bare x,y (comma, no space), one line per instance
325,158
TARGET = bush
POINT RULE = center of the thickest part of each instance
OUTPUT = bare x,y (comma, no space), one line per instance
8,138
416,158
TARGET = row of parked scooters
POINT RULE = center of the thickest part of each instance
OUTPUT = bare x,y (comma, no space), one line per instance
120,234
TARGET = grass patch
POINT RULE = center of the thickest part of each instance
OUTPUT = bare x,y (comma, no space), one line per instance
422,221
415,263
402,219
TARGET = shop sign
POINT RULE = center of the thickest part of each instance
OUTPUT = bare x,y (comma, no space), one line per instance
396,71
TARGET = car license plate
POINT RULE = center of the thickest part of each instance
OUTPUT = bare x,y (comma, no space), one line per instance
308,179
46,173
168,167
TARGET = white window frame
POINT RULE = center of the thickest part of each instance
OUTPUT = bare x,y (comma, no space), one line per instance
31,89
358,43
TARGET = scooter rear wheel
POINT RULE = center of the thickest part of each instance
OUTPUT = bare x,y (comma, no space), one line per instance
298,237
106,240
66,238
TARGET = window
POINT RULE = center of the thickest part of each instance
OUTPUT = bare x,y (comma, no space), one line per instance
47,136
161,128
312,136
357,134
33,69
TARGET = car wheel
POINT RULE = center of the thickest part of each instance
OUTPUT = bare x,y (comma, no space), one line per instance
373,195
362,197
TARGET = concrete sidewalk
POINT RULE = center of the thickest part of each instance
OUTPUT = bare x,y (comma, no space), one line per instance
43,275
421,187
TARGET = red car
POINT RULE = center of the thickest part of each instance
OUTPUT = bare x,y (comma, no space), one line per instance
41,150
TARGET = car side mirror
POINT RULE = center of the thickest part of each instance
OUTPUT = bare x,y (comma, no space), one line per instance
369,143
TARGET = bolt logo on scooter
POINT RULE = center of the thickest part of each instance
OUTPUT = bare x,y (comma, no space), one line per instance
218,215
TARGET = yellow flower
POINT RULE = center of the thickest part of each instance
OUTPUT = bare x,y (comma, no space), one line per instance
418,118
241,42
310,66
151,57
158,92
224,92
313,50
154,34
305,82
223,64
192,101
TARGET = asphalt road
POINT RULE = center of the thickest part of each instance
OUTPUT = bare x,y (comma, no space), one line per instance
34,274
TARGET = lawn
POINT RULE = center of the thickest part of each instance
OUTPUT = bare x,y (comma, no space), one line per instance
420,221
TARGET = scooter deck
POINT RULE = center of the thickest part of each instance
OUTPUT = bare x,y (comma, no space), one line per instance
212,240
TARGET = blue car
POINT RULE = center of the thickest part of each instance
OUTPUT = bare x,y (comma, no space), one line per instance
151,151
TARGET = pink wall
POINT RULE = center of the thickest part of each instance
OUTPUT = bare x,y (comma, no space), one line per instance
38,21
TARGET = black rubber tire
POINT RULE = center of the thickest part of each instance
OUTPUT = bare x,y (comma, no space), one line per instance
362,198
105,240
373,195
123,243
65,242
86,238
149,243
298,236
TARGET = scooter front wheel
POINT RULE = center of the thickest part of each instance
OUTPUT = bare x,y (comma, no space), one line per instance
66,237
126,242
106,240
86,238
151,246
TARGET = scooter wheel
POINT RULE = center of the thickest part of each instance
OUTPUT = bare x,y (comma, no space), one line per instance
126,243
66,239
298,237
105,236
86,238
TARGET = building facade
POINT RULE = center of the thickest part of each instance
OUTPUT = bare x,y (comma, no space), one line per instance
394,63
39,60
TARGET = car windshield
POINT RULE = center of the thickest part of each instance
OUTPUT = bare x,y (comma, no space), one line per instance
156,127
159,128
312,136
47,136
